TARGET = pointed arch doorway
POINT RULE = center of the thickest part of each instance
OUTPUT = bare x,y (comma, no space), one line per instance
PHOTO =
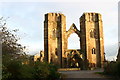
73,55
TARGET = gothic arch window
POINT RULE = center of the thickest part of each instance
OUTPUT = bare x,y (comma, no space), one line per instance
93,50
54,33
92,33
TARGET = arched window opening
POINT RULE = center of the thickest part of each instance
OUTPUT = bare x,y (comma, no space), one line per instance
73,41
93,51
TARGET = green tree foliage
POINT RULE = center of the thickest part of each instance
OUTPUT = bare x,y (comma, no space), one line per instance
9,39
37,71
16,64
46,71
12,51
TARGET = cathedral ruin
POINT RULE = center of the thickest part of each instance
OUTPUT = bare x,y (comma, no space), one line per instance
91,38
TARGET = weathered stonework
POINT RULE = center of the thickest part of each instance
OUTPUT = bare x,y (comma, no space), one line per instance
39,56
91,39
54,37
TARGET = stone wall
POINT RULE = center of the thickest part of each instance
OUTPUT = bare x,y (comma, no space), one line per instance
92,42
90,34
54,37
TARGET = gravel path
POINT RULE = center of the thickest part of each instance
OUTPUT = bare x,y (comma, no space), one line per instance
83,74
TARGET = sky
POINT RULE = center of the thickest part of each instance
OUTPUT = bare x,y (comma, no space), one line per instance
28,17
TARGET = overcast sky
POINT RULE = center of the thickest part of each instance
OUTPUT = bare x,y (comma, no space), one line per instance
28,17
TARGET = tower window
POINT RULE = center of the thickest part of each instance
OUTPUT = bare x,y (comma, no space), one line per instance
56,52
54,33
92,33
93,51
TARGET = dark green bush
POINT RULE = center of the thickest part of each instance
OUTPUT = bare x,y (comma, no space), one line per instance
46,71
15,70
12,70
112,68
53,72
118,69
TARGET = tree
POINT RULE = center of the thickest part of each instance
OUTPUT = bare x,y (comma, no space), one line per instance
12,51
14,59
9,39
10,46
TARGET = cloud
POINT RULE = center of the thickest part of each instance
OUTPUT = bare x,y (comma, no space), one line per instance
111,51
111,58
34,48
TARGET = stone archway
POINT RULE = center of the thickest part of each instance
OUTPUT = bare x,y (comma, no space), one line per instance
73,29
74,59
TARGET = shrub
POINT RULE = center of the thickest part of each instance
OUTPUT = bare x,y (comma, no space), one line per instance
118,69
53,72
112,68
15,70
46,71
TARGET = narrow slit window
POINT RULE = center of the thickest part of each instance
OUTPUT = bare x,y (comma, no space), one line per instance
93,51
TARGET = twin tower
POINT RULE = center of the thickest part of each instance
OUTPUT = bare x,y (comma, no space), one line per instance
91,40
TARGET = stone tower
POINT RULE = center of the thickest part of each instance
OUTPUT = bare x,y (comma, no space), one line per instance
92,42
54,37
